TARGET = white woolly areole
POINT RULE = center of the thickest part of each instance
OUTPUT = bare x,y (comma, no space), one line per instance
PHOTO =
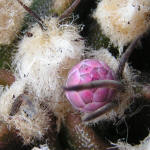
8,96
42,147
11,17
31,122
123,98
123,20
144,145
44,59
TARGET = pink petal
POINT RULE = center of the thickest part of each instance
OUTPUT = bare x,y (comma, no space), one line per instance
111,93
85,78
85,69
93,106
103,73
92,62
75,99
100,94
73,79
110,76
86,96
95,75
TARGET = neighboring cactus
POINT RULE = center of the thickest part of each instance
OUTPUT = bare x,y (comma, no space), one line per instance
11,17
25,115
123,20
44,59
41,65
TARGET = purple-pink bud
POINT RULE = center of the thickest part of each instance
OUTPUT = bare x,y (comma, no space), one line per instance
91,99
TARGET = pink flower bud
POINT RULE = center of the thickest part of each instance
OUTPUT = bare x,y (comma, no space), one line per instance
91,99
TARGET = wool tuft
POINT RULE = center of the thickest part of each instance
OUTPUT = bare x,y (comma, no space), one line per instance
44,59
11,16
144,145
7,98
123,20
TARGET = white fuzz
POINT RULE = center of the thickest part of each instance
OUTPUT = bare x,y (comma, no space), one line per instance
44,59
42,147
123,20
42,64
31,121
123,98
11,16
8,96
144,145
59,6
